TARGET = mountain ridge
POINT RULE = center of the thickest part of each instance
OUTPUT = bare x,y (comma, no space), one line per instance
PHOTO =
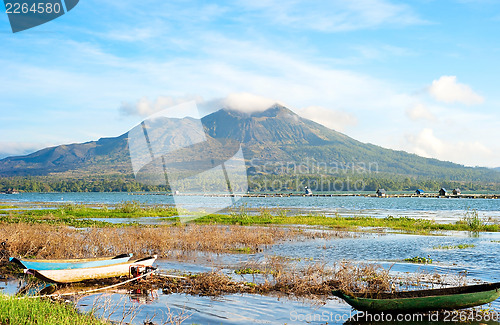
274,137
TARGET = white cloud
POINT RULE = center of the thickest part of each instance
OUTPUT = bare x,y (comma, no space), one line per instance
429,145
243,102
447,90
246,102
420,112
145,107
334,16
11,148
333,119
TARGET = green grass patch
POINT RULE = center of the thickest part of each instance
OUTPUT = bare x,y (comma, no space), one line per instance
419,260
40,311
122,210
460,246
52,220
249,271
77,215
243,250
338,222
7,207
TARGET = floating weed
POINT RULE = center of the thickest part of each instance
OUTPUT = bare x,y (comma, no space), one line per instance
243,250
460,246
419,259
249,271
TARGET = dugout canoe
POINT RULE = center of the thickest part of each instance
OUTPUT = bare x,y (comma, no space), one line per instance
64,264
423,300
100,272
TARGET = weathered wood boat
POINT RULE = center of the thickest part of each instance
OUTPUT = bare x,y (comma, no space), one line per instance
99,272
36,264
423,300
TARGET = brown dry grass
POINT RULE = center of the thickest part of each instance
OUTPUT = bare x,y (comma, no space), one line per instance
363,278
49,241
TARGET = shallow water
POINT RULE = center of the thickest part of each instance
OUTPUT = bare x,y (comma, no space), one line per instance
480,262
388,250
440,209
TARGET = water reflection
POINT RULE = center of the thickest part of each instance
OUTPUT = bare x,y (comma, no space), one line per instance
389,250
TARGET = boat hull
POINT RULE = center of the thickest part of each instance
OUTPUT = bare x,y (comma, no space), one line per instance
101,272
70,263
441,299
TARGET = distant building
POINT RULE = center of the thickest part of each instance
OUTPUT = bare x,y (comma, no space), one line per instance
308,191
457,191
419,192
442,192
380,192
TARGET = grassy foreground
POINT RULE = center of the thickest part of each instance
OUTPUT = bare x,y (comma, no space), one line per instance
38,311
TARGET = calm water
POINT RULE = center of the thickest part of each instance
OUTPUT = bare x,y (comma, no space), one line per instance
388,250
440,209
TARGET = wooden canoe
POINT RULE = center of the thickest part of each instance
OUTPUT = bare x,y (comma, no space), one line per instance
35,264
424,300
100,272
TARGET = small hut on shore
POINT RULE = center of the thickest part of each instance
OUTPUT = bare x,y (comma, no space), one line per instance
457,191
419,192
380,192
443,192
307,191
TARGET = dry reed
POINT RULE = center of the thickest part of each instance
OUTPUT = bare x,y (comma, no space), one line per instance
49,241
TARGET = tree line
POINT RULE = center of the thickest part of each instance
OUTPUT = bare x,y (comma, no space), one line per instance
256,183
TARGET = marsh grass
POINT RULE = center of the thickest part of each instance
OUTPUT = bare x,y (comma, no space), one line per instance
49,241
473,221
312,281
460,246
74,215
129,209
346,223
42,311
419,260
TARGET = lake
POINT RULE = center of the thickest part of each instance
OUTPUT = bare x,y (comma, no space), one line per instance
389,249
439,209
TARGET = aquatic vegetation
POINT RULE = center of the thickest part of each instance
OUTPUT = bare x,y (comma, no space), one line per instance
473,221
6,207
45,240
418,259
40,311
128,209
243,250
460,246
249,271
339,222
53,220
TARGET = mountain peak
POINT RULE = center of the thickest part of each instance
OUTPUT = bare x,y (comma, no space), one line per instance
272,111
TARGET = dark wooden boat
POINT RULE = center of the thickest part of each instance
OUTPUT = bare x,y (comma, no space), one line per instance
423,300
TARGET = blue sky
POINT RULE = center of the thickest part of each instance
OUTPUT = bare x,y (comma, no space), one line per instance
420,76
